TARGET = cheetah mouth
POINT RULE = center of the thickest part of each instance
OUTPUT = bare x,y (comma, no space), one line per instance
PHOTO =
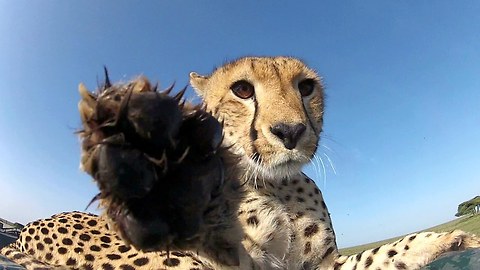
288,165
280,169
290,159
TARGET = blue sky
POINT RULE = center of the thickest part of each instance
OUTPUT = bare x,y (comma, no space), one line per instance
403,83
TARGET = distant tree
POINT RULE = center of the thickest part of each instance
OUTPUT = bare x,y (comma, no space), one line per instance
470,207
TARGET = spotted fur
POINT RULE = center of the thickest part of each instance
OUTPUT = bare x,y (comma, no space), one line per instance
278,216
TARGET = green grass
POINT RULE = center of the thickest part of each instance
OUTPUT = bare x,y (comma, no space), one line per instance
469,224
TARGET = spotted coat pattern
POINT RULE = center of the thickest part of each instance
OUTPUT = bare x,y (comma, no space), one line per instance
285,223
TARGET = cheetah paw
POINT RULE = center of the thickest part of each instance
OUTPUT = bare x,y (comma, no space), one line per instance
461,240
154,159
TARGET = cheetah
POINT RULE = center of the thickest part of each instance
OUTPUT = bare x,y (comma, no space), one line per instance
211,186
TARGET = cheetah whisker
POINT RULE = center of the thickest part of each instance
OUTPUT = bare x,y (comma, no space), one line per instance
328,148
324,173
331,163
316,166
319,161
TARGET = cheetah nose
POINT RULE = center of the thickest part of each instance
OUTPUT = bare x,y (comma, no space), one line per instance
288,134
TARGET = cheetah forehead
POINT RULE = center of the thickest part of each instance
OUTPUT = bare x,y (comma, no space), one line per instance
268,68
273,72
271,76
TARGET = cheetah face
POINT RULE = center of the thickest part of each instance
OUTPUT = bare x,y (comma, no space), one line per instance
271,109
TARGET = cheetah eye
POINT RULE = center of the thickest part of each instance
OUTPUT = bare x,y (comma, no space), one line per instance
243,89
306,87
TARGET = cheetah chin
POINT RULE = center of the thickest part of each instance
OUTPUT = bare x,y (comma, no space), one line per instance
280,170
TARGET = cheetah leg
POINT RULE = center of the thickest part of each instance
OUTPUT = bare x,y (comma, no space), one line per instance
157,163
410,252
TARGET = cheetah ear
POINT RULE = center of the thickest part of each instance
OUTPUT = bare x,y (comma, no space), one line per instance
198,82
